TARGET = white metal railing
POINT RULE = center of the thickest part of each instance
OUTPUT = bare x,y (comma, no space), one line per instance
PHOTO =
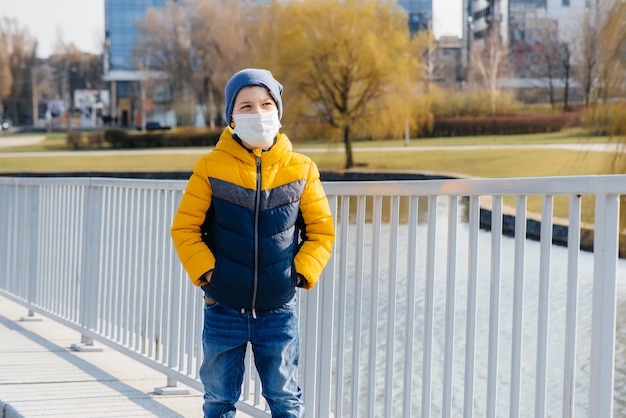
418,313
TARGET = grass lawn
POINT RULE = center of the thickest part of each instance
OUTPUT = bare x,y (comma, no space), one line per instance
107,163
491,164
494,163
532,162
514,162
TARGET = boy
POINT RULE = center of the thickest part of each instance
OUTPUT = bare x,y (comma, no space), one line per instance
254,223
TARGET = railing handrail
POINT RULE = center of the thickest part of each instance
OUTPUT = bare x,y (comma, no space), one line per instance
558,185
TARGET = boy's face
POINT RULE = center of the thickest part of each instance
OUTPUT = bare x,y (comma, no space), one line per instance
252,100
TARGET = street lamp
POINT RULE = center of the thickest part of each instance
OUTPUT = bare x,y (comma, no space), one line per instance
33,82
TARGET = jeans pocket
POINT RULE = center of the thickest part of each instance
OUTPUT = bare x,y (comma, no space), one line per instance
208,302
290,305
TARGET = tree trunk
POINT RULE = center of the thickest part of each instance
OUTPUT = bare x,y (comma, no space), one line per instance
566,92
551,93
212,115
550,84
208,94
347,140
587,88
567,67
566,95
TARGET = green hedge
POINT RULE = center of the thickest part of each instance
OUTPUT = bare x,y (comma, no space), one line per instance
121,139
74,139
499,125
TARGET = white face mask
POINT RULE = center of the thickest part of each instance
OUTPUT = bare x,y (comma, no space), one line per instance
257,130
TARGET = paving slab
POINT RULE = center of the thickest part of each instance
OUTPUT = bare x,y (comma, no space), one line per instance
40,376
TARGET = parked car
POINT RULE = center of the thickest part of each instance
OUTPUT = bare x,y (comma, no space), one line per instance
155,126
5,125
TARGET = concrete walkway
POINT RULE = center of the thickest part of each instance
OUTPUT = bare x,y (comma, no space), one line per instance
19,141
40,376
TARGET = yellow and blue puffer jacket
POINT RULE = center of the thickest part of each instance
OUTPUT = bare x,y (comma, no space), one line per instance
257,219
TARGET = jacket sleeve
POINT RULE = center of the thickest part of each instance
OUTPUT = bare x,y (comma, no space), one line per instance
194,255
319,230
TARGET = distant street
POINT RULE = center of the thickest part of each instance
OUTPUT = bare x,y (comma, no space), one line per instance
10,142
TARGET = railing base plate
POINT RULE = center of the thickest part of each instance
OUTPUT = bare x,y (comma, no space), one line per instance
171,390
86,348
31,319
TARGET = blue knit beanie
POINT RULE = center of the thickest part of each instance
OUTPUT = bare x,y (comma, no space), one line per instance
251,77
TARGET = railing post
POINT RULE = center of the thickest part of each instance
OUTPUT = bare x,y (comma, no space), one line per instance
31,272
518,306
172,353
90,266
571,316
310,340
604,303
4,245
171,388
324,347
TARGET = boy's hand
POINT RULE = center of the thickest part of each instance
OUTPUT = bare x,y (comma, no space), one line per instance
301,281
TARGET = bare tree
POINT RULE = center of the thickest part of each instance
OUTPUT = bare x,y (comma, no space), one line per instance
219,48
565,62
164,46
489,62
548,69
555,61
6,78
21,50
197,47
585,56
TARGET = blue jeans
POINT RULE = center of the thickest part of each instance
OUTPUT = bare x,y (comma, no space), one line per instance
276,346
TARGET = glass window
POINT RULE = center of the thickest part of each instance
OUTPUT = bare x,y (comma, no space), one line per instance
119,21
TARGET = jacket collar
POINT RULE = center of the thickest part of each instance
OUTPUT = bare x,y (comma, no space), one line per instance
229,145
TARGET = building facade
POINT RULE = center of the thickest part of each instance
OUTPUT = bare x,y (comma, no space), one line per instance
420,13
544,36
120,67
485,17
540,35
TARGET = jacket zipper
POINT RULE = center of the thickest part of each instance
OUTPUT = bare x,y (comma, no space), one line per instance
257,209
